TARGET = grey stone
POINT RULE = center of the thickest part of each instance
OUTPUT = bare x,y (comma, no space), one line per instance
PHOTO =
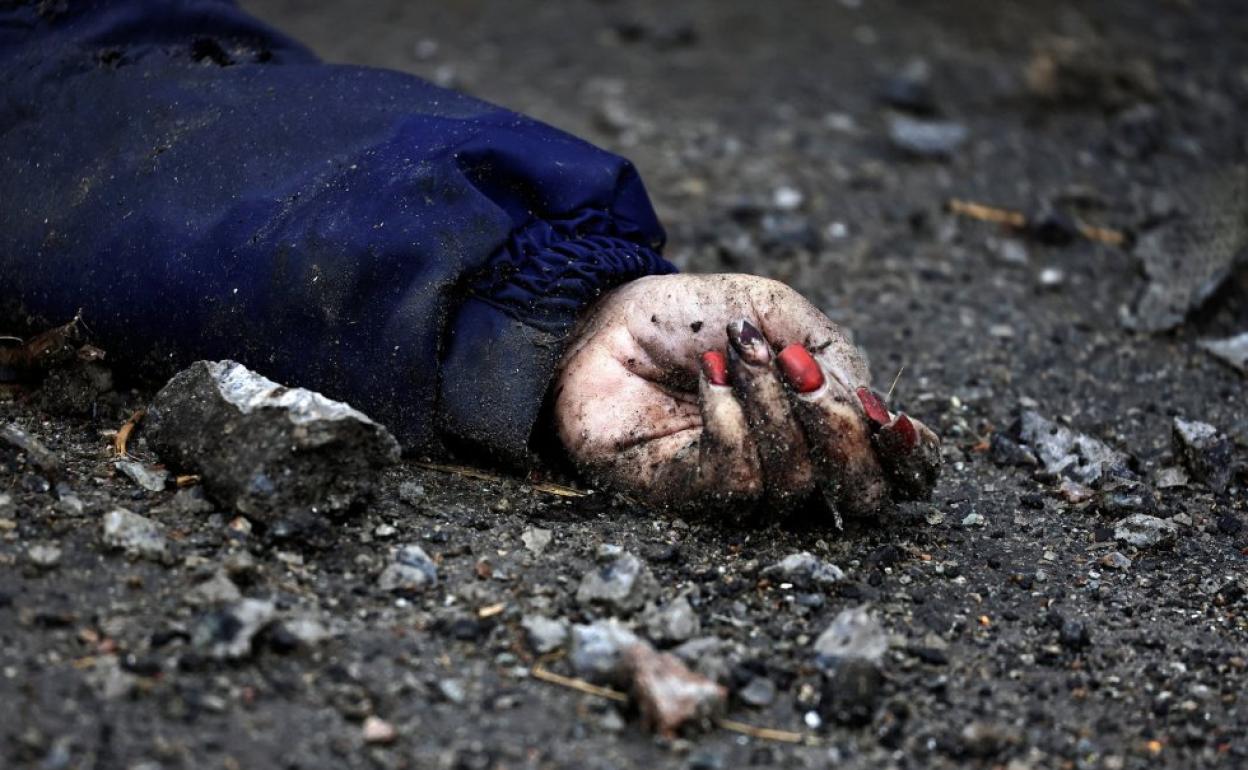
411,571
672,623
36,453
536,539
227,633
1232,350
1207,453
1115,560
452,690
853,634
137,535
1144,531
43,555
597,650
758,692
926,138
218,589
264,449
622,584
150,478
544,635
1064,452
412,493
805,570
306,629
709,656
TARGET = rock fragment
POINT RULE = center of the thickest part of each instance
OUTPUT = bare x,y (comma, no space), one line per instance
544,635
378,731
36,453
264,449
138,536
758,692
1064,452
668,694
43,555
931,139
805,570
673,623
851,692
597,650
227,633
411,571
536,539
1206,452
1115,560
623,584
1232,350
218,589
853,634
1144,531
150,478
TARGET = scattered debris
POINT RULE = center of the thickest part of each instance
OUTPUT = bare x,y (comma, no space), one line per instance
227,633
36,453
623,584
138,536
1187,258
853,634
1207,453
597,649
673,623
536,539
1232,350
805,570
150,478
544,635
921,138
264,449
1144,531
377,730
1123,497
668,694
1048,226
411,571
1064,452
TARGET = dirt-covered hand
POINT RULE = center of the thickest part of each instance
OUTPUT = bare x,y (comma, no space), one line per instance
729,391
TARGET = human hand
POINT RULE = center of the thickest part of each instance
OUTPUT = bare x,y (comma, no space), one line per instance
672,391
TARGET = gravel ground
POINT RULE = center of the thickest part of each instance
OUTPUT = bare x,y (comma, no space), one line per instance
1023,630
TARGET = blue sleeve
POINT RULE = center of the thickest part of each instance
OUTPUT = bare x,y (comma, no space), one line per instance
202,187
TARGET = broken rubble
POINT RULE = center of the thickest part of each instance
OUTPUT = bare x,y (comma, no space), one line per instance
1206,452
853,634
597,650
1144,531
36,453
1064,452
137,535
545,635
805,570
668,694
673,623
150,478
1232,351
411,571
228,633
264,449
623,584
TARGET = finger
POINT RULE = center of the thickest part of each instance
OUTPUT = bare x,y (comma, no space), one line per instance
782,448
910,454
714,466
839,434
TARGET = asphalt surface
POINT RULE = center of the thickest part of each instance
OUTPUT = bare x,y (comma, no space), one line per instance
763,133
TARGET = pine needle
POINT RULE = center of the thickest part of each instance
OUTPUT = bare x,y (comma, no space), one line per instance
549,488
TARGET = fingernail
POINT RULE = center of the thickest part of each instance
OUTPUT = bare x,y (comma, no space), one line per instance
800,369
748,342
715,367
873,405
903,432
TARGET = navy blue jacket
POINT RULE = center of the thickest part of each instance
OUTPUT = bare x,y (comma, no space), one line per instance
201,186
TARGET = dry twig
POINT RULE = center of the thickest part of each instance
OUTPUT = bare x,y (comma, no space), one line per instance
580,685
123,433
1017,220
549,488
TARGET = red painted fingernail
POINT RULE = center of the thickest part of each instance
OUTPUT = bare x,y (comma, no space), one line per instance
800,368
905,431
873,405
715,367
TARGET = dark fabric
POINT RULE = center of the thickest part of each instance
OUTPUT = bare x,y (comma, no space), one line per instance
202,187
